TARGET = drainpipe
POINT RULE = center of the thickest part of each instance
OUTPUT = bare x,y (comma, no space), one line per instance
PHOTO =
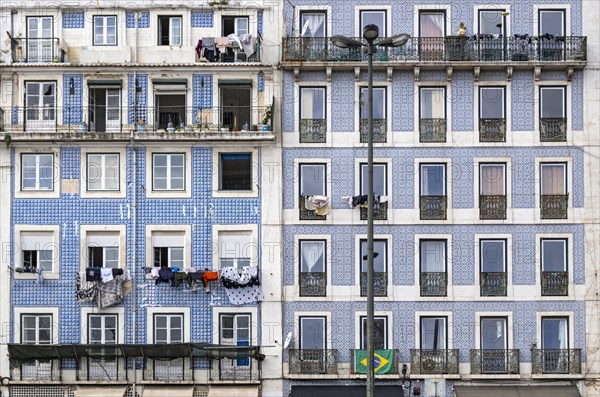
134,204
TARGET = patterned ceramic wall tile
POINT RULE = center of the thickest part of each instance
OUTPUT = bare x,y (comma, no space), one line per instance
259,22
143,21
522,101
577,102
73,20
342,102
462,104
403,93
73,103
202,19
287,105
138,89
202,95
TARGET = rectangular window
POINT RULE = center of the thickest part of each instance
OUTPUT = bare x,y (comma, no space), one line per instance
102,171
168,249
379,332
553,102
313,268
551,22
373,17
432,24
492,179
105,30
37,251
235,171
169,30
105,108
168,171
493,256
379,103
37,172
491,102
433,277
554,255
103,249
168,328
40,104
313,333
379,179
102,328
433,179
434,333
236,330
235,25
492,22
380,279
312,179
494,337
39,39
553,181
235,249
312,103
555,333
313,23
36,329
433,102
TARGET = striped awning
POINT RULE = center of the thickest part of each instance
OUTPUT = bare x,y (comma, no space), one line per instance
516,391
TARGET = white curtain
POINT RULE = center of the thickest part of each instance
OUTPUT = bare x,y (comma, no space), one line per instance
433,254
313,25
492,180
553,179
562,334
433,102
441,334
432,24
312,254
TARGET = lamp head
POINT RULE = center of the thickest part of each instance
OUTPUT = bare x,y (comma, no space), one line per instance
394,41
344,42
370,32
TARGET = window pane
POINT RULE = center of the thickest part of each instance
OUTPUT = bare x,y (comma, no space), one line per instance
552,102
555,333
312,334
45,260
379,332
492,179
553,179
493,333
312,256
433,103
312,103
432,24
312,178
553,255
489,21
312,24
552,22
433,180
492,255
111,257
373,18
236,171
433,256
379,110
433,333
379,179
379,255
492,103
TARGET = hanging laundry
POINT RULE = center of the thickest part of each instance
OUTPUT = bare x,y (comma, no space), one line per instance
208,277
241,287
106,274
319,204
92,274
165,274
110,293
85,290
179,278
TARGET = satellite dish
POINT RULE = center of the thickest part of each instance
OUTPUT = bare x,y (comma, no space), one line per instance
288,339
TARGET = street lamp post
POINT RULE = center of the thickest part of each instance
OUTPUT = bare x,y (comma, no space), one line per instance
370,34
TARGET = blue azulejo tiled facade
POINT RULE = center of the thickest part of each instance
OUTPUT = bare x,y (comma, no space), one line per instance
465,153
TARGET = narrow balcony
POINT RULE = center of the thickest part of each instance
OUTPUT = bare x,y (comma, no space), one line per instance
433,207
169,370
553,130
434,361
556,361
554,206
308,215
434,283
494,361
313,284
313,130
492,206
388,359
37,371
313,361
492,283
555,283
243,369
492,130
379,212
30,50
477,49
432,130
101,369
233,53
379,130
380,281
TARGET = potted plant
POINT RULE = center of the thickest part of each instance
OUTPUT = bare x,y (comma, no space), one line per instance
141,126
83,127
266,121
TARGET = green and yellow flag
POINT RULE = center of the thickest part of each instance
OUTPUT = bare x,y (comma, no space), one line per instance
383,360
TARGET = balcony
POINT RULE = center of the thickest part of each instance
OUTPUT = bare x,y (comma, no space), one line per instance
492,206
308,215
432,207
554,206
475,49
380,282
494,361
556,361
555,283
233,54
37,371
379,130
492,283
313,361
313,130
434,361
492,130
102,369
243,369
553,130
360,356
434,283
432,130
313,284
28,50
379,212
169,370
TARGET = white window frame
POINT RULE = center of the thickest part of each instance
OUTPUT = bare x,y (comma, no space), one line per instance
235,328
444,89
482,88
359,315
186,230
418,8
298,108
449,327
186,192
445,176
120,191
563,88
552,7
103,38
251,229
216,179
328,324
565,243
507,262
417,266
538,187
169,168
298,9
509,326
19,311
119,312
119,230
359,9
42,229
43,121
104,170
166,310
30,193
358,261
103,327
173,40
570,316
569,265
38,175
484,164
37,328
294,291
494,7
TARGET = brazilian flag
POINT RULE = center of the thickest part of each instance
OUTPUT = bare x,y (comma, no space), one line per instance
383,361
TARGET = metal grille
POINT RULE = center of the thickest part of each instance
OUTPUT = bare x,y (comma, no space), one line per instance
313,361
434,361
556,361
492,207
432,130
379,214
492,283
313,130
554,206
494,361
40,391
178,369
379,130
379,284
308,215
553,130
434,284
38,371
432,207
492,130
555,283
313,284
242,369
101,369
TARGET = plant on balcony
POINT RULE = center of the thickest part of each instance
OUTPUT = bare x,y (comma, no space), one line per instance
141,126
266,121
218,3
83,126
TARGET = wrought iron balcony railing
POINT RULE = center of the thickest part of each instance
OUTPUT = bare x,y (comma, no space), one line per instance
554,206
477,48
553,129
492,206
434,283
313,361
313,130
358,353
555,283
380,281
379,212
433,207
492,283
231,369
172,370
492,130
233,54
308,215
379,130
2,120
37,370
556,361
102,369
313,284
494,361
432,130
28,50
433,361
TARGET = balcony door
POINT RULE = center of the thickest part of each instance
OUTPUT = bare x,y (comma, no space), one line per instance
494,342
551,22
313,276
235,106
432,30
553,181
313,24
555,342
313,345
40,103
105,112
236,331
39,39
